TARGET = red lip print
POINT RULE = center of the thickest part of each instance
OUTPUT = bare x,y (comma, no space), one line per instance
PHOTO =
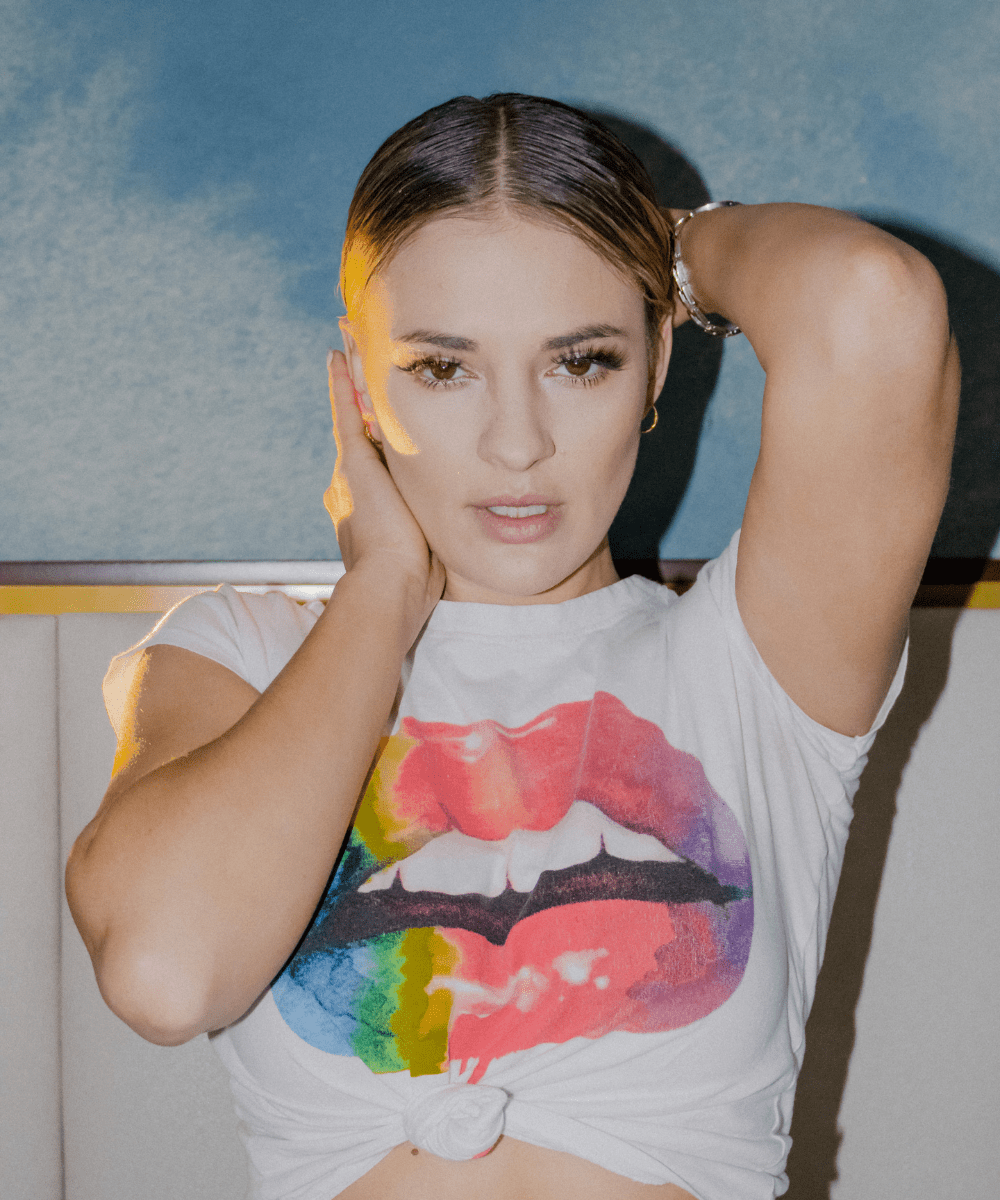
487,780
600,935
583,972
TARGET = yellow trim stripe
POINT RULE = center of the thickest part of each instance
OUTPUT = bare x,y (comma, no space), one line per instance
72,598
985,595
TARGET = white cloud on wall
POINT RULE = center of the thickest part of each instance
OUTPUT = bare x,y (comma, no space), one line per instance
160,396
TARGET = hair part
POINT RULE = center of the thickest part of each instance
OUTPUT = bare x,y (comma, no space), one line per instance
509,152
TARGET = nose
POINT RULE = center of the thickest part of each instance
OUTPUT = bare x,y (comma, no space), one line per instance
516,432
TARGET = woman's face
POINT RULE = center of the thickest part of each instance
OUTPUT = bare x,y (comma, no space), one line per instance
505,363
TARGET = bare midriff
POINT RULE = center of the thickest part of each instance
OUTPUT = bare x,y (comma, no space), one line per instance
511,1171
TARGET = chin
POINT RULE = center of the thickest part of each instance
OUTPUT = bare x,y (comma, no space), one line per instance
516,578
503,587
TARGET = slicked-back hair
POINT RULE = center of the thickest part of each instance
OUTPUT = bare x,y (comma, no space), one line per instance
526,154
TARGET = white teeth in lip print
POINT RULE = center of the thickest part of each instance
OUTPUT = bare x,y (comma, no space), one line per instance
531,510
455,864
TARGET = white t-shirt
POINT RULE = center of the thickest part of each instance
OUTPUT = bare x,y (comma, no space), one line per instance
584,901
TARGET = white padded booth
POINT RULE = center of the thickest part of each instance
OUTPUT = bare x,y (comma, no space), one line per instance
900,1097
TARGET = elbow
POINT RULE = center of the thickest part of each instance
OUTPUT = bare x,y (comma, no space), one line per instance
152,999
120,986
888,328
147,978
900,297
159,1034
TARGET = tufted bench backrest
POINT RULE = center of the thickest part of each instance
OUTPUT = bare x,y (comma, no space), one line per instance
89,1111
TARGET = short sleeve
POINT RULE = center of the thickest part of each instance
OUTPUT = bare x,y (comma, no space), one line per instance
253,635
846,753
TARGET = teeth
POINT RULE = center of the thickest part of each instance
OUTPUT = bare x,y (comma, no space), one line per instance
532,510
455,864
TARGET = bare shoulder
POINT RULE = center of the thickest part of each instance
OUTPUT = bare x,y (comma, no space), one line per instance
177,701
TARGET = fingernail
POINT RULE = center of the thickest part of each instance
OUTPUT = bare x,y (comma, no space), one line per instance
329,358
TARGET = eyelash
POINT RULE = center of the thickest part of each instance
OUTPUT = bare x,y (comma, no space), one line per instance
607,360
420,364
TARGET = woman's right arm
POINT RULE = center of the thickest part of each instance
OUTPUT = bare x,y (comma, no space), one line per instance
212,847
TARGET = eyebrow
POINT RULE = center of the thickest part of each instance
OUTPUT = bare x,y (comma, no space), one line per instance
447,341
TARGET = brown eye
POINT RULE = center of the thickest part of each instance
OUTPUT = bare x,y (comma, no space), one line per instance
443,371
579,366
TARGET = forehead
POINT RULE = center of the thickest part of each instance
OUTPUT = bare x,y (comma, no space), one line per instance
477,276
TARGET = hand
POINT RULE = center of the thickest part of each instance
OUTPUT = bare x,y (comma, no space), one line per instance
374,525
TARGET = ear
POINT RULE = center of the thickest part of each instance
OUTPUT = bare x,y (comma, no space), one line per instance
355,368
665,344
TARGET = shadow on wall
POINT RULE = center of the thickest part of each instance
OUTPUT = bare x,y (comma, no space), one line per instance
830,1032
968,531
666,455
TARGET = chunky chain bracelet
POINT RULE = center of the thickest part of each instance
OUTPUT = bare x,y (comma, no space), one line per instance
683,279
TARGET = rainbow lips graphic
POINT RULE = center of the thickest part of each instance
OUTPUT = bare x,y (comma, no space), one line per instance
504,888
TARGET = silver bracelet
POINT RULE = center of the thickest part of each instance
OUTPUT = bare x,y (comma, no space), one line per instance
682,278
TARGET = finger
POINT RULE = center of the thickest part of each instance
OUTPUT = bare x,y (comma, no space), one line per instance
348,427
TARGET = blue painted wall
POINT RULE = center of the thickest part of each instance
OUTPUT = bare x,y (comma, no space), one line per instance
176,173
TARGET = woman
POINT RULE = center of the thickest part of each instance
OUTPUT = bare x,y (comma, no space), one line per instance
576,918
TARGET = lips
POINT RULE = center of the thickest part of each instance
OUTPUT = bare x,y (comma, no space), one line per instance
515,530
508,887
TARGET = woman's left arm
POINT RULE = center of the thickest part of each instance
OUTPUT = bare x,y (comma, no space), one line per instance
851,328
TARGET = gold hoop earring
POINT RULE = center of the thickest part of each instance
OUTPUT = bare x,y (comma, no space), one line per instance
366,420
656,417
